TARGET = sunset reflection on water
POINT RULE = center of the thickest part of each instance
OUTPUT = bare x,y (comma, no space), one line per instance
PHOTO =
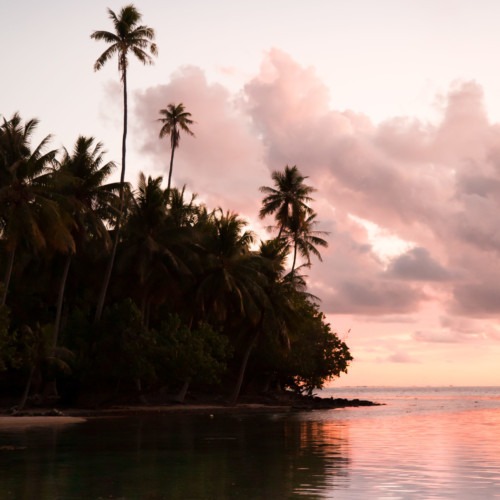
422,444
416,447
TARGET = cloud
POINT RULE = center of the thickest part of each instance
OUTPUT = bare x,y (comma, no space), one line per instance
373,297
401,357
456,329
417,265
432,186
440,337
478,298
223,162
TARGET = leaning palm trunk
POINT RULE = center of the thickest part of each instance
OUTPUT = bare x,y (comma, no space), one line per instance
27,388
111,262
243,367
60,300
182,393
50,390
8,274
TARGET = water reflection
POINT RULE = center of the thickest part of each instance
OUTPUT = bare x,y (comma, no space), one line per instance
331,454
318,456
448,455
177,457
424,454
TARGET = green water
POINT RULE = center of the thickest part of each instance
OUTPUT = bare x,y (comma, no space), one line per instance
171,457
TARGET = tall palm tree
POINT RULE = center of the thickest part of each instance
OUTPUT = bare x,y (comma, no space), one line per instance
29,213
174,119
288,199
128,37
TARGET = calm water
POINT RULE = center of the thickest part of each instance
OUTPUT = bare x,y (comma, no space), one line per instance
422,444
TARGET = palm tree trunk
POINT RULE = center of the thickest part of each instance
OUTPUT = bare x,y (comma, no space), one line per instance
50,389
138,386
170,171
124,138
8,274
182,393
111,263
243,368
294,257
60,300
27,388
143,310
148,312
146,309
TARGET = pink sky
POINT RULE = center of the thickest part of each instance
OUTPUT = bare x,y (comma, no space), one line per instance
412,269
392,112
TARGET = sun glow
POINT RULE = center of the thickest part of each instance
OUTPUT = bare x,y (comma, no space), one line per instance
385,245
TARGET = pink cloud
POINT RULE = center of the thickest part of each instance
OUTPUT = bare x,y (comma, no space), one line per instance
436,185
225,146
401,357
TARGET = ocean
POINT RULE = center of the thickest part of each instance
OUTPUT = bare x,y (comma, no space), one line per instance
420,443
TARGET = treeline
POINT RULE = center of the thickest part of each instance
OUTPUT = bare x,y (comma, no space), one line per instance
109,290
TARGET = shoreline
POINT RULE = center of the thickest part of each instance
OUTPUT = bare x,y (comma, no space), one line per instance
51,416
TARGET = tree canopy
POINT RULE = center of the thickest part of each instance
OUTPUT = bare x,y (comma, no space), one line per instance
196,300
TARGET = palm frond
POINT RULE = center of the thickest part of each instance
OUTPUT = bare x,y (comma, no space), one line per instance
106,56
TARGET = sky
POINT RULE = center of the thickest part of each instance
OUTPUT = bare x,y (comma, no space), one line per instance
391,108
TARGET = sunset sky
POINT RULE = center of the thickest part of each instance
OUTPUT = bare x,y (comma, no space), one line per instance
391,108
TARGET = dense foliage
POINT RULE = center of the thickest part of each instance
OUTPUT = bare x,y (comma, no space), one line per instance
193,303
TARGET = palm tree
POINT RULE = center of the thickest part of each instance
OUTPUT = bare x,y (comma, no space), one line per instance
153,246
128,37
183,213
272,256
174,119
231,289
305,239
230,284
29,214
288,199
80,179
142,249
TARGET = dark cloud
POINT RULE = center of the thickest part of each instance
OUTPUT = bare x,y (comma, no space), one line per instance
372,297
417,265
477,299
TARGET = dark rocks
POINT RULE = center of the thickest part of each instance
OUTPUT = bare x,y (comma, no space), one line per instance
317,403
52,412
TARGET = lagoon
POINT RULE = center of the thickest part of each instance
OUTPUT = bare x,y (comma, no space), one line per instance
423,443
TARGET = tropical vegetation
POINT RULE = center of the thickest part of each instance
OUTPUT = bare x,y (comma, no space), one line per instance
196,303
